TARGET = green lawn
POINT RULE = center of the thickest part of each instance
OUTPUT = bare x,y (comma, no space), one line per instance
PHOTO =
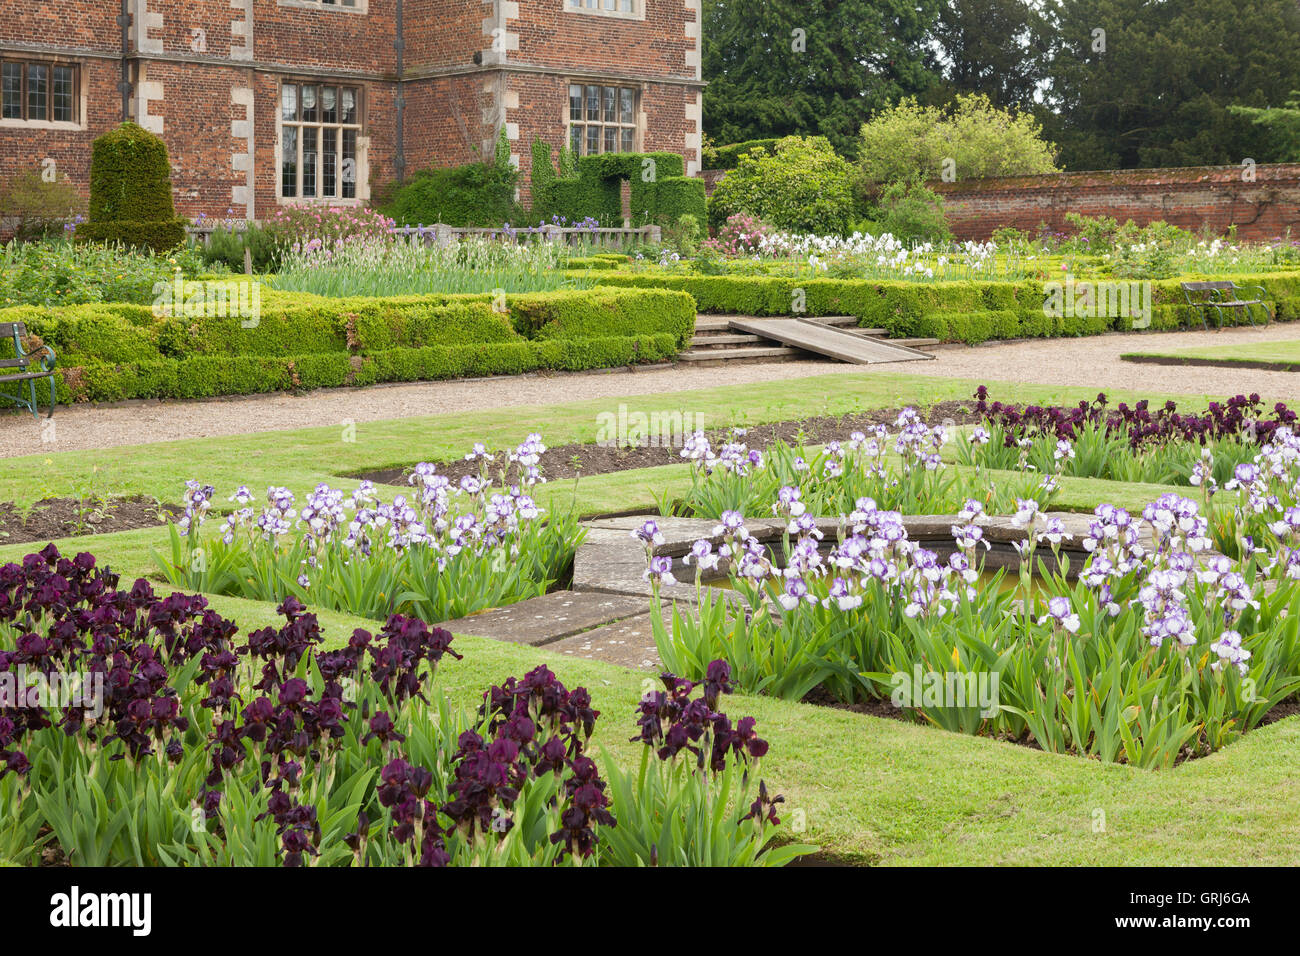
886,792
872,790
1282,356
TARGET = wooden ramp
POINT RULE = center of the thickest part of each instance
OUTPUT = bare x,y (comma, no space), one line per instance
823,339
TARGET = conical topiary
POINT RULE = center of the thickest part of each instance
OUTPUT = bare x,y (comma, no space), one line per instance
131,192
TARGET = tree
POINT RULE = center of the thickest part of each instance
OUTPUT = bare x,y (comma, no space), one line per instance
810,67
969,139
1283,121
802,186
994,47
1149,82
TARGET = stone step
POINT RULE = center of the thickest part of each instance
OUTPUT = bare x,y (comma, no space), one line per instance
758,353
913,343
712,323
717,341
543,620
708,322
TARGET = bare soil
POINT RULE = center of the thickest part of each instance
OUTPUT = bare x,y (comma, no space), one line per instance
54,518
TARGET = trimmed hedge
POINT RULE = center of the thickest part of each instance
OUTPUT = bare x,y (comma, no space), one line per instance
964,311
131,191
480,194
115,352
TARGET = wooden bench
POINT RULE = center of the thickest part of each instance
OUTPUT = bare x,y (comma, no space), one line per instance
1224,294
23,362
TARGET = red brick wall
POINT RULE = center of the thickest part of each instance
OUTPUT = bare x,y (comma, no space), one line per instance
451,103
1193,198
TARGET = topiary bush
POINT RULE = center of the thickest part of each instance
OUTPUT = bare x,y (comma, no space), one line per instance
131,192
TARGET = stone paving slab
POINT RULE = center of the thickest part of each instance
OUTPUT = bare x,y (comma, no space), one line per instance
628,643
543,620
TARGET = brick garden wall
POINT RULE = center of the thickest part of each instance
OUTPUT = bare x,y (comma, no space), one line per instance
1194,198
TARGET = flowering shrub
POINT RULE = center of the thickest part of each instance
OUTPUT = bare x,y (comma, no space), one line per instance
741,235
1160,649
182,744
327,224
443,552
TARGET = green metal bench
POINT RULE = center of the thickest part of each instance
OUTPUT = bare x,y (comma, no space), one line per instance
24,363
1224,294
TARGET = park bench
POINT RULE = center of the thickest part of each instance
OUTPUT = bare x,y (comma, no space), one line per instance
1221,295
24,363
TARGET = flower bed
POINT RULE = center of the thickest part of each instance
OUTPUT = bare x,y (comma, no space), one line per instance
1151,649
445,551
896,469
177,742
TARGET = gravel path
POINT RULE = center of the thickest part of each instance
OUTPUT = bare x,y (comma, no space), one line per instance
1093,362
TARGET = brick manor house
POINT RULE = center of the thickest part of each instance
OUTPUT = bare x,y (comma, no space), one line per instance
264,102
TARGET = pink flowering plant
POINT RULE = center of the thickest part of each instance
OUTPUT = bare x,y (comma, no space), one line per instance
327,225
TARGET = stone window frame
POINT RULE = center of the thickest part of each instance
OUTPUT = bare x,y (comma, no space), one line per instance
638,115
360,192
599,8
78,121
335,6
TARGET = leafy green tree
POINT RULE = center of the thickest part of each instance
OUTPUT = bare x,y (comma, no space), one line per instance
969,139
810,67
803,185
994,47
1283,121
1142,83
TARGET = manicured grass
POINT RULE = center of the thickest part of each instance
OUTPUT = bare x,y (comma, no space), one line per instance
1279,356
302,457
882,791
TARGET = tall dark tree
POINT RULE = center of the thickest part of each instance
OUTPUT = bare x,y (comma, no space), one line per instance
1154,87
994,47
810,67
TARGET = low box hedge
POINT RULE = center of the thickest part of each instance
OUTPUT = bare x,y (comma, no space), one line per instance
956,311
117,352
